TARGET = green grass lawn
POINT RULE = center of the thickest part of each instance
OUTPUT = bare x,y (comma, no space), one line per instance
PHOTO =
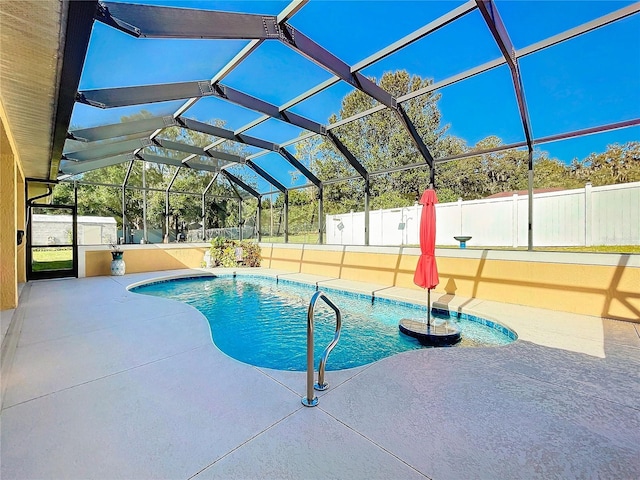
52,259
592,249
596,249
313,239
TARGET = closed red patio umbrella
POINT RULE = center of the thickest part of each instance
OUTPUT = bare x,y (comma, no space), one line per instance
426,275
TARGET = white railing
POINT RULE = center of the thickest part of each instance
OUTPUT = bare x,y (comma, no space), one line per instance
608,215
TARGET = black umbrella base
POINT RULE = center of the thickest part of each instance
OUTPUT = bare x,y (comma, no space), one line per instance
434,335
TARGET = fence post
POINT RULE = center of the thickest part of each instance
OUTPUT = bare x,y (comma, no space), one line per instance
352,224
588,240
321,227
417,212
367,202
514,220
286,216
460,213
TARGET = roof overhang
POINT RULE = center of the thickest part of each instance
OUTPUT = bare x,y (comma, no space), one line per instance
43,49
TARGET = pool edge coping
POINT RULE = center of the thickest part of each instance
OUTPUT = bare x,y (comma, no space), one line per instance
470,315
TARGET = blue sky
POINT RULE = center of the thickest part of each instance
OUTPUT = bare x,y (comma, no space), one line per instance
585,82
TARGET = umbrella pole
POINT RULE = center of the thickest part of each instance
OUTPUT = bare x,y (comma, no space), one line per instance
428,307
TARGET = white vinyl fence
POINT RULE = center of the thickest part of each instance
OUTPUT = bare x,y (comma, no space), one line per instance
608,215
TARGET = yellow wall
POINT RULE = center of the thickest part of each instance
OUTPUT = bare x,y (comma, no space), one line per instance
21,225
325,263
604,285
610,291
285,258
9,174
148,258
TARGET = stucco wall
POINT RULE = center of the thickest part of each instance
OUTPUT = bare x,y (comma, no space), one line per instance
9,173
604,285
96,260
21,225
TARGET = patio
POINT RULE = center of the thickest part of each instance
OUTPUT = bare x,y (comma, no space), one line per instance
109,384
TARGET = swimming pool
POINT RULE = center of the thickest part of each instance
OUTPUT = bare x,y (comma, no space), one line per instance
263,322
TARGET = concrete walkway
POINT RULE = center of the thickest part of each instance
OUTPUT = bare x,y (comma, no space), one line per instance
108,384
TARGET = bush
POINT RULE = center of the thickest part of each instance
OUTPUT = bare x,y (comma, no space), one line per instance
251,253
223,253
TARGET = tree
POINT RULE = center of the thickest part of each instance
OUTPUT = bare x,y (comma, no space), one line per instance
378,141
552,173
107,201
618,164
97,200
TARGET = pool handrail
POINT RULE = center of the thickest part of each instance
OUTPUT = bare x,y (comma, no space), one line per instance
311,400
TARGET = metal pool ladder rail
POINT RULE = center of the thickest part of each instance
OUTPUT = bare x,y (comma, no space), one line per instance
311,400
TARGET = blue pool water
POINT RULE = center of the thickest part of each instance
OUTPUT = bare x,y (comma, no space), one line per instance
264,323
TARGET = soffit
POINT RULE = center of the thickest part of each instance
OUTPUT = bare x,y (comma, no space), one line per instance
30,54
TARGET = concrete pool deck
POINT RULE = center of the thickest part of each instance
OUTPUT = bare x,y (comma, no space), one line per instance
108,384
